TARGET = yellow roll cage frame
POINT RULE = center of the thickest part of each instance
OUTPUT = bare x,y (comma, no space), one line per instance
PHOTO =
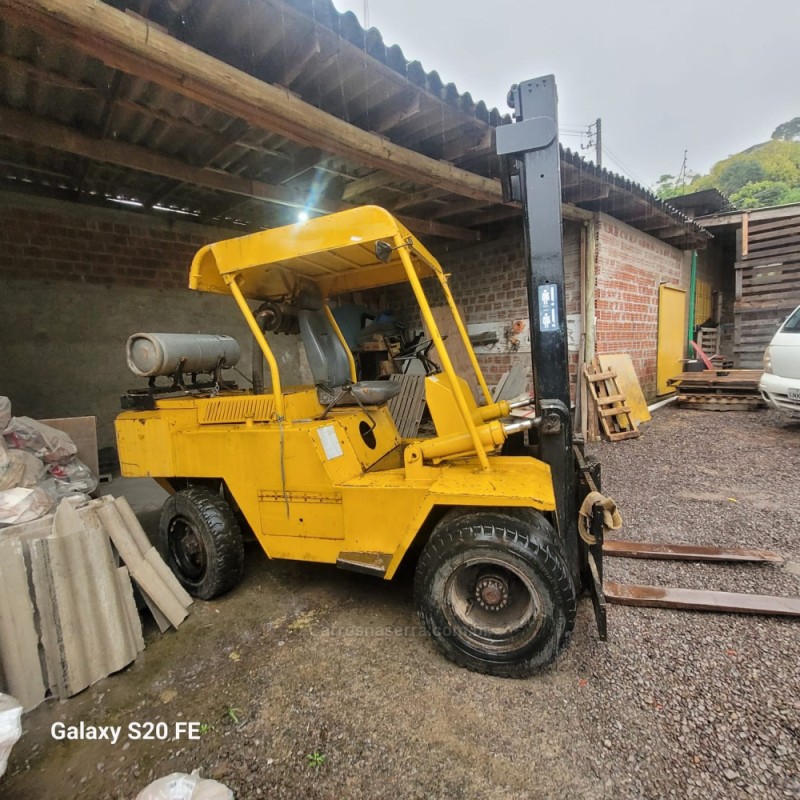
337,254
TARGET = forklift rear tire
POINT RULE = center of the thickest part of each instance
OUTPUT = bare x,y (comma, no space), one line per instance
202,542
494,592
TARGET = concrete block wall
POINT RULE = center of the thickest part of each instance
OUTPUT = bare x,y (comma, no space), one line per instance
630,267
77,281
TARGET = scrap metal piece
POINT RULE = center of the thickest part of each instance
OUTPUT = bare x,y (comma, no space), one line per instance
700,600
686,552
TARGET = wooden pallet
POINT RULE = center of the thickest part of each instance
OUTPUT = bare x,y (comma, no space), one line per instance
612,409
729,381
720,402
719,390
408,407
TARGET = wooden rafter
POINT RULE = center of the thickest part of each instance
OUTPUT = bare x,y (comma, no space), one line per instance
114,91
129,44
298,62
417,198
236,129
33,130
393,111
366,184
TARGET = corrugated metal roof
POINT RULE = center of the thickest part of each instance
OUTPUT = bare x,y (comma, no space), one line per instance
370,40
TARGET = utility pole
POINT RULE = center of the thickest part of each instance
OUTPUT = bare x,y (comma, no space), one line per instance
598,145
366,14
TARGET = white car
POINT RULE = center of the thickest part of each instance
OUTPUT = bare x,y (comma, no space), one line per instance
780,383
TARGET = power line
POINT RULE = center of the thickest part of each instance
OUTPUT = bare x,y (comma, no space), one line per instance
621,165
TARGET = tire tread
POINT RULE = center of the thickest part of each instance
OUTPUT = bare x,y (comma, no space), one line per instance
542,549
216,515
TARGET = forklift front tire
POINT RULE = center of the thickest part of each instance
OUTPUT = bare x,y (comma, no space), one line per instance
495,593
202,542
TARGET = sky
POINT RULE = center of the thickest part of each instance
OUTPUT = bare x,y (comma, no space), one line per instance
711,77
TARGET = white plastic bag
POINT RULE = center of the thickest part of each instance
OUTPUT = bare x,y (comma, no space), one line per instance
5,412
20,468
50,445
11,470
10,728
180,786
25,505
73,477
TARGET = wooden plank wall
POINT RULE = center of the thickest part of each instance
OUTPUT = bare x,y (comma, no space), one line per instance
767,283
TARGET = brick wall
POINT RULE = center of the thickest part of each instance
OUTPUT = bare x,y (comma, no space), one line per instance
77,281
630,266
94,246
488,282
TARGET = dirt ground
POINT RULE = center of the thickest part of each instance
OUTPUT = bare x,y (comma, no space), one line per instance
306,661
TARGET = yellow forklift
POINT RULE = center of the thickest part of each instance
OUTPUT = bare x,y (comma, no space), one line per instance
486,510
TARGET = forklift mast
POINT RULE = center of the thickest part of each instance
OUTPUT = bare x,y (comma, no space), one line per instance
532,143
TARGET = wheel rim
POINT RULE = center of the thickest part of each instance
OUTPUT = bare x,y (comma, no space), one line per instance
492,605
187,550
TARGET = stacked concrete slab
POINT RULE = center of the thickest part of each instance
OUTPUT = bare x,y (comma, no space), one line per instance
67,612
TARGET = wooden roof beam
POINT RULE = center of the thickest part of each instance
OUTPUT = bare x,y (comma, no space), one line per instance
417,198
452,209
468,146
33,130
393,111
126,43
304,161
674,232
375,180
298,61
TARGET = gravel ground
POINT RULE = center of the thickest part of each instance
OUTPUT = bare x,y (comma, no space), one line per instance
304,659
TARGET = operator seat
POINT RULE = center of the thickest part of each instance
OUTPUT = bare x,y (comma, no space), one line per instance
329,363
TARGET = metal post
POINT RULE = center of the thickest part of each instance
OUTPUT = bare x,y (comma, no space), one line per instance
692,292
533,138
598,142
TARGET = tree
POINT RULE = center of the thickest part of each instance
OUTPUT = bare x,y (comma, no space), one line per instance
765,193
737,174
668,186
788,131
762,175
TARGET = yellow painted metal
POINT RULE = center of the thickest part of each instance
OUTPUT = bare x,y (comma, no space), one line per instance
314,487
703,301
671,338
336,252
340,336
233,285
437,449
443,405
447,364
444,410
326,500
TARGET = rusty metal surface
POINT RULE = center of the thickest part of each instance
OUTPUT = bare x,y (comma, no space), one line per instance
700,600
686,552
